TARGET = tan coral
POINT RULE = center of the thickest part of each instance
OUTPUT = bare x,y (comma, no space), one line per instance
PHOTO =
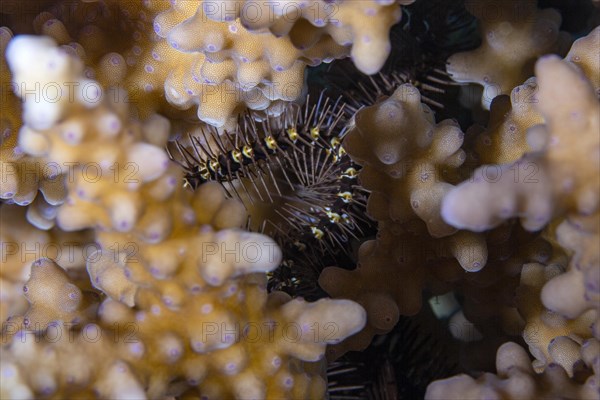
19,15
55,298
393,271
576,292
543,325
584,53
505,138
516,379
251,358
142,64
107,377
22,243
169,277
489,295
559,301
362,25
561,177
488,316
406,159
379,284
189,29
22,177
407,163
221,66
514,33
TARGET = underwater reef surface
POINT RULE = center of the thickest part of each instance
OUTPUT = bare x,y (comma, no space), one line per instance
300,199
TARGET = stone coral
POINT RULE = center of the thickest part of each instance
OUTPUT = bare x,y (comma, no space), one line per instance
22,243
221,62
407,173
169,279
504,140
117,281
489,315
579,237
560,177
362,25
185,53
159,61
21,176
516,379
545,326
55,298
558,298
211,73
407,162
514,33
583,54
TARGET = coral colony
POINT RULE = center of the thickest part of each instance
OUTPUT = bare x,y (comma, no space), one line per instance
300,199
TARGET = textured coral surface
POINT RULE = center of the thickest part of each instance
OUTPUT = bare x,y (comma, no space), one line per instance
514,33
554,186
186,214
189,294
517,380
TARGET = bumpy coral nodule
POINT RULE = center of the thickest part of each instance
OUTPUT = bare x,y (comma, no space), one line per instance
514,34
517,380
